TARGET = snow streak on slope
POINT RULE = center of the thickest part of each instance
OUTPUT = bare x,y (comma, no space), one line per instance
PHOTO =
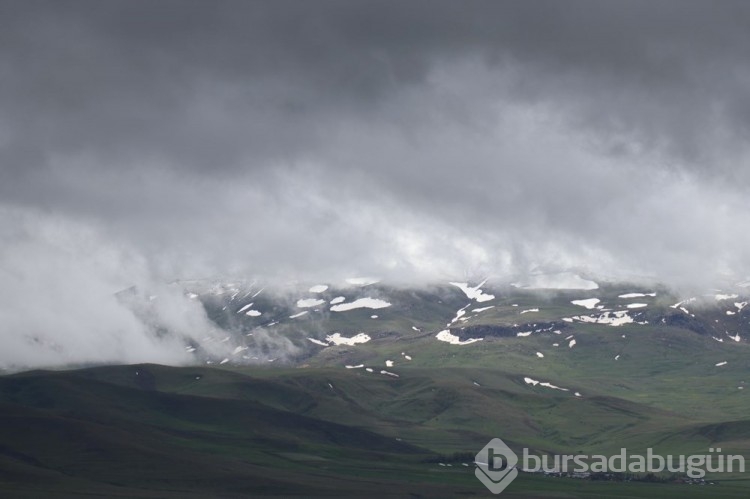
245,308
533,382
482,309
459,314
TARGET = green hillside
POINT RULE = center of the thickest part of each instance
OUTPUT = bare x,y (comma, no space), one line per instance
155,431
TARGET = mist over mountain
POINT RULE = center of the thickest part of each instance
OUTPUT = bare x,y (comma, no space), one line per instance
143,144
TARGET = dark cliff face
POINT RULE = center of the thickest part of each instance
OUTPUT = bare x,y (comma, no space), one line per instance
505,331
711,323
688,322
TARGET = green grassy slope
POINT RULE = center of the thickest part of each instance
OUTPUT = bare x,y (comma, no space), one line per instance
154,431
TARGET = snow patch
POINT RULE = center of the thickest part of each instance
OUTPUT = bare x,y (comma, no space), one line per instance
361,303
338,299
589,303
318,342
299,314
474,293
617,318
637,305
318,288
446,336
337,339
309,302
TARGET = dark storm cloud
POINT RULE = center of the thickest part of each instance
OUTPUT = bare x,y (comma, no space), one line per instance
208,84
408,94
143,141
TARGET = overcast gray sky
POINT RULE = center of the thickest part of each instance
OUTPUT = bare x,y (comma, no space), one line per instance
146,141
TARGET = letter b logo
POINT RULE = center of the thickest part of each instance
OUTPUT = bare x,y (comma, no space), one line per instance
496,466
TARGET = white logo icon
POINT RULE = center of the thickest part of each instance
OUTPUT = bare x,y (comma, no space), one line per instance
496,466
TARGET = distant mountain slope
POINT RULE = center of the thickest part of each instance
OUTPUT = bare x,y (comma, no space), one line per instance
361,388
294,324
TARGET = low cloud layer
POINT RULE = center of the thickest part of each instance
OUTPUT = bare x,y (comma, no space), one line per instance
146,142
